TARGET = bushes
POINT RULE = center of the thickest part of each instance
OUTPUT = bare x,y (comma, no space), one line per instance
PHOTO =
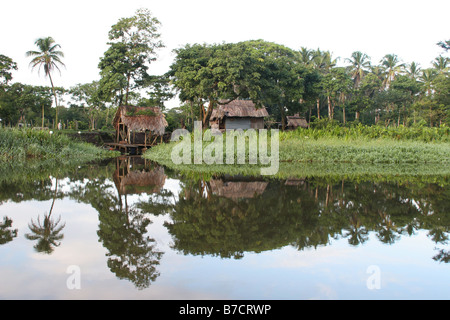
359,131
22,144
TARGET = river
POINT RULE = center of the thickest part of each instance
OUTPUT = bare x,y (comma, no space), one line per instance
131,229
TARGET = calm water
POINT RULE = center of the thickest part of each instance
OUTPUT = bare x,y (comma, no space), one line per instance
129,229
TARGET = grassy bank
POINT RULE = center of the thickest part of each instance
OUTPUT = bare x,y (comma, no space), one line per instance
341,152
357,132
20,145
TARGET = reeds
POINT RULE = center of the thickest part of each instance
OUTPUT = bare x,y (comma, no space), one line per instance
23,144
400,133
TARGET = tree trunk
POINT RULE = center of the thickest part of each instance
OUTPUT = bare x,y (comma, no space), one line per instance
42,116
431,117
283,119
56,100
309,120
318,108
128,89
343,114
192,113
207,114
357,115
330,116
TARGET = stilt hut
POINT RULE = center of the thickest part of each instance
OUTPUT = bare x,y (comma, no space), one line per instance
136,176
139,126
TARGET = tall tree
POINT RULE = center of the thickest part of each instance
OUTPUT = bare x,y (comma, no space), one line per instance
324,63
133,44
391,66
413,70
264,72
444,45
441,64
48,57
7,65
359,66
88,95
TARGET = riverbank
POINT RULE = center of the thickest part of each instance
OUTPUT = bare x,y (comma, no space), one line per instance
20,145
340,152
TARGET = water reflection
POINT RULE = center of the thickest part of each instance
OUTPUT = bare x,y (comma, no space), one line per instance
228,217
48,232
132,254
7,234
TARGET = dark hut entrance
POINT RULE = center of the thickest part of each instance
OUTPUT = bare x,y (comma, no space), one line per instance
138,128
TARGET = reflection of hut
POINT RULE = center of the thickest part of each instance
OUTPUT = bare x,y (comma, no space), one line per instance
134,178
238,114
295,121
131,123
294,182
238,189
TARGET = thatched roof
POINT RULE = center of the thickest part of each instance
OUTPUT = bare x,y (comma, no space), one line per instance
296,121
238,190
239,109
136,182
141,119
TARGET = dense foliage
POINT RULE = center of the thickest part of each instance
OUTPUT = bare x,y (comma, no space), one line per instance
310,82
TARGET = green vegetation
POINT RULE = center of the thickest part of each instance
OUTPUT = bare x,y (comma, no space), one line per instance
327,129
19,145
386,112
362,150
311,82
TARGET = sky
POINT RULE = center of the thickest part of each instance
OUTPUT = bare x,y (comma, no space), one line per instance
409,29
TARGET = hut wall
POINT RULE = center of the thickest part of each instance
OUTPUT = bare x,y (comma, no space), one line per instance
257,123
238,123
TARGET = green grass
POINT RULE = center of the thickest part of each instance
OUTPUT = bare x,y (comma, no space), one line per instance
19,145
340,152
363,151
359,131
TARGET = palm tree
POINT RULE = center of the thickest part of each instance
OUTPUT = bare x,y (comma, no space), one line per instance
427,78
306,56
323,62
392,66
48,57
444,45
413,71
441,64
47,233
359,64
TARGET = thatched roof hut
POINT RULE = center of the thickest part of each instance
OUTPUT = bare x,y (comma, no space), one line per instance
238,189
238,114
137,182
293,122
141,119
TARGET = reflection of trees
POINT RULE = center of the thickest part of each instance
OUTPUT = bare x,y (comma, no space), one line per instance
228,217
47,232
303,213
206,223
442,256
6,233
132,255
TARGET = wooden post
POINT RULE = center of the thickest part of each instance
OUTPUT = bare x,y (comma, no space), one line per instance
145,139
